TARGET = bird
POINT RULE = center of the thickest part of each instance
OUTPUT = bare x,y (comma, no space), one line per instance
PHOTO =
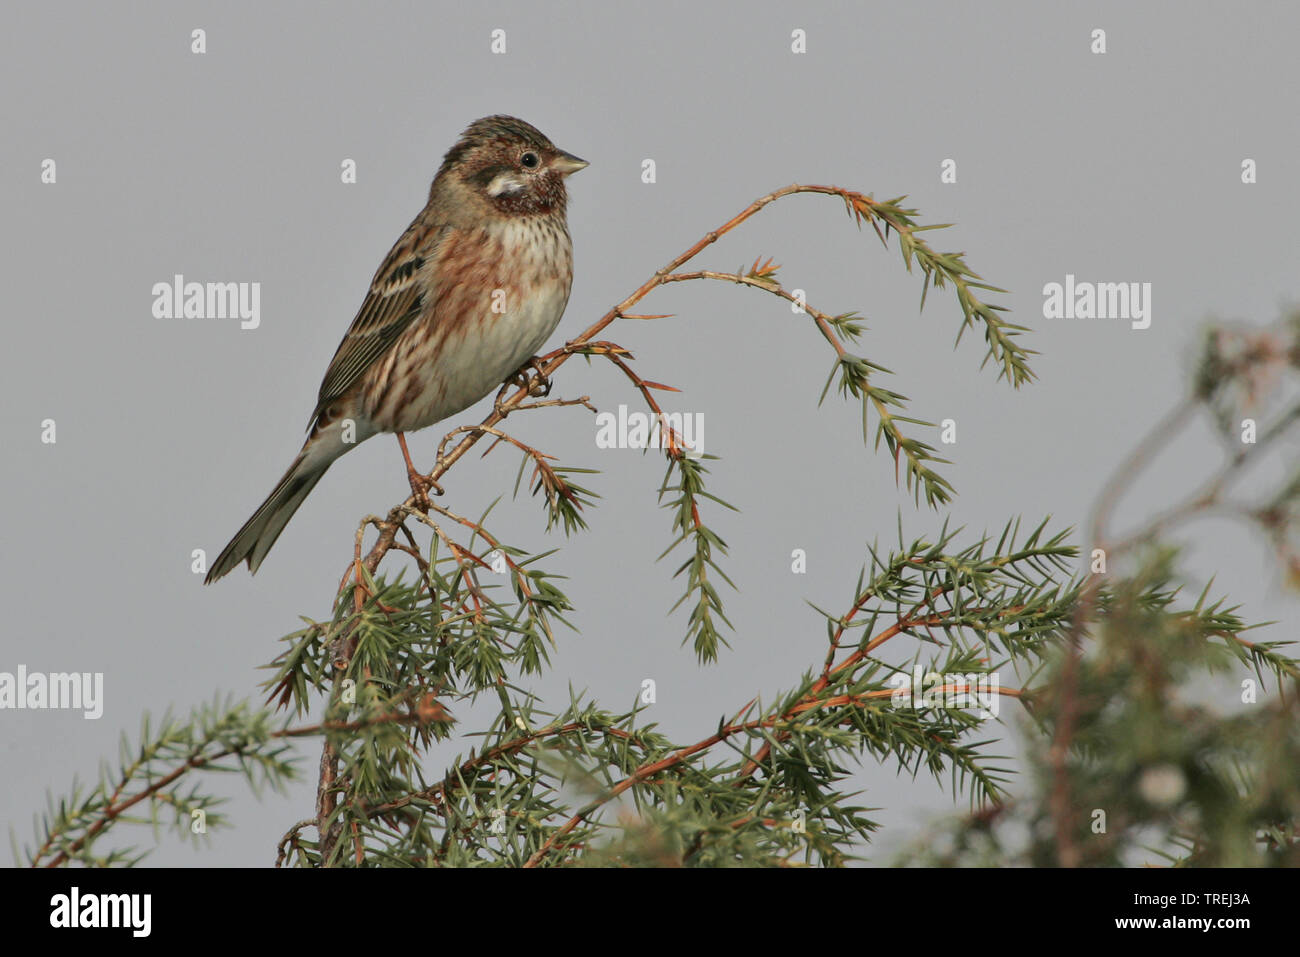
460,305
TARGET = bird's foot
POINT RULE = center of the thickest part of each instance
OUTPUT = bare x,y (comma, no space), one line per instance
420,483
420,487
532,377
539,385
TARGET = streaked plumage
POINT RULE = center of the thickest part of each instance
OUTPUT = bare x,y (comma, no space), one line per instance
427,342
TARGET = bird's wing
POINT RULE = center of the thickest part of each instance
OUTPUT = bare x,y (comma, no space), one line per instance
395,299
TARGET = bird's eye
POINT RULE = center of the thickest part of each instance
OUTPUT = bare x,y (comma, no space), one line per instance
529,160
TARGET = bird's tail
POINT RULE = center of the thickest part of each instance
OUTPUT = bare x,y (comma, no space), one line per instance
254,540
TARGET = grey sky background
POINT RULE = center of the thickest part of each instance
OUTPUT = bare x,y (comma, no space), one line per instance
225,167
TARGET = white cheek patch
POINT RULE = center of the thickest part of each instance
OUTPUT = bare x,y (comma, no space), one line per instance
504,183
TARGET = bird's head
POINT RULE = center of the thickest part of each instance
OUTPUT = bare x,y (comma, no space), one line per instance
511,165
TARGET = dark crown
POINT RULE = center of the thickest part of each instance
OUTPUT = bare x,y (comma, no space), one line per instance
494,128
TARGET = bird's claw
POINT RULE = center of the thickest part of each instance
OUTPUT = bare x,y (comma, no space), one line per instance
420,487
420,483
537,384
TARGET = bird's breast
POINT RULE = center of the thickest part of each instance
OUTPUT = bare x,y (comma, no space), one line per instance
498,294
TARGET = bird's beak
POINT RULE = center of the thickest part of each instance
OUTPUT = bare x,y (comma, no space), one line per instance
567,163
